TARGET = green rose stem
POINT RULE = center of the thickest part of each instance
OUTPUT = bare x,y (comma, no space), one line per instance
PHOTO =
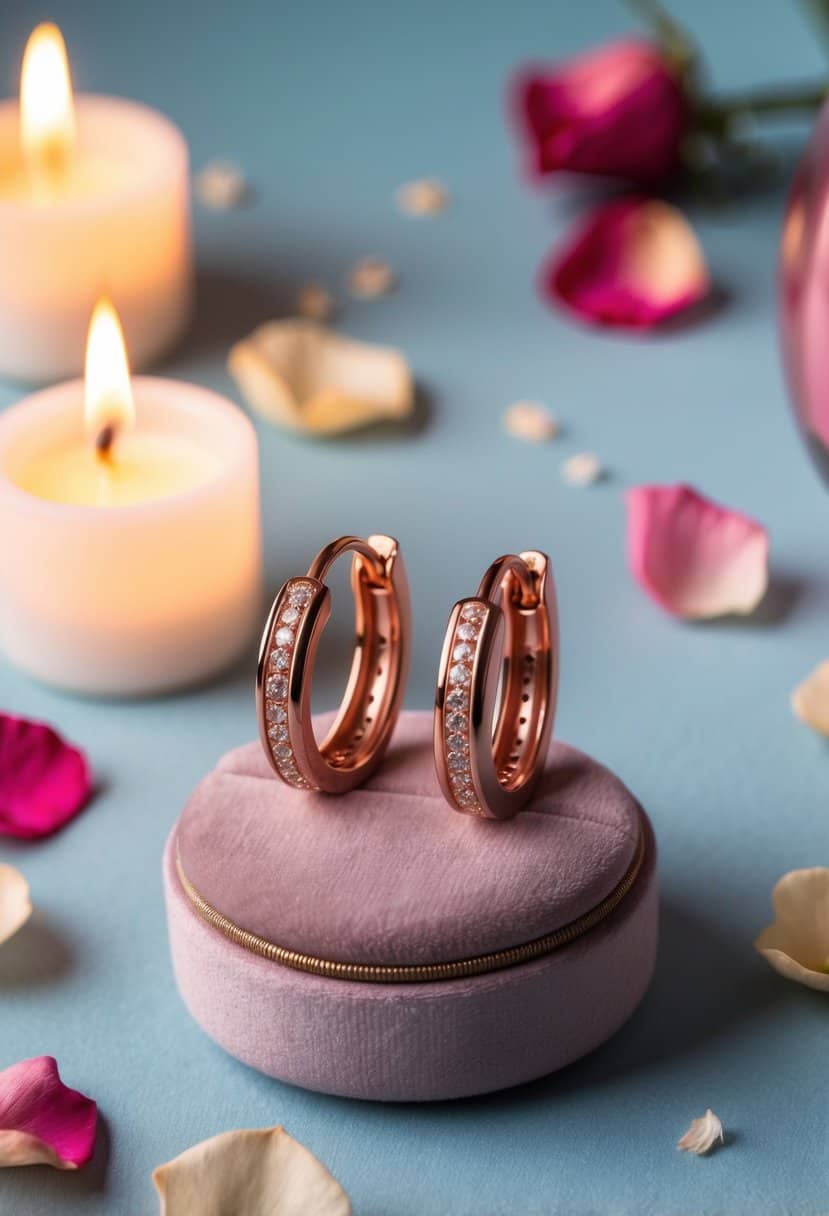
717,116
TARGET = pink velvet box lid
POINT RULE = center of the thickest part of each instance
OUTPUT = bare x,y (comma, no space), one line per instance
390,875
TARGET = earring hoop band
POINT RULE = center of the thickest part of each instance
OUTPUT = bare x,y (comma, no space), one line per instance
503,641
363,726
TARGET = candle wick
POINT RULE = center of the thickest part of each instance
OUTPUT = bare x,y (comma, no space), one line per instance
105,440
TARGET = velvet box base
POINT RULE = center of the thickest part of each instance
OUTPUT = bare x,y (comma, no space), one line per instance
390,876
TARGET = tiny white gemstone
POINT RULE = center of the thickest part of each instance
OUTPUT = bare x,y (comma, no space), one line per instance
457,761
462,653
467,632
473,612
276,713
283,751
280,659
457,743
277,686
467,798
299,594
279,734
455,723
290,616
460,674
457,699
284,636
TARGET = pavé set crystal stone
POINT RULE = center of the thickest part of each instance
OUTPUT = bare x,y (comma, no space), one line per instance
295,599
457,725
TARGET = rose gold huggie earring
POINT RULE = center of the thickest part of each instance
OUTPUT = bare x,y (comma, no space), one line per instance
511,625
356,742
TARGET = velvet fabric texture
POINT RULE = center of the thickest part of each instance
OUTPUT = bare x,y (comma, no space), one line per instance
389,874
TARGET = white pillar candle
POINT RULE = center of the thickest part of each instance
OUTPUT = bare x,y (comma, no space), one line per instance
135,571
93,200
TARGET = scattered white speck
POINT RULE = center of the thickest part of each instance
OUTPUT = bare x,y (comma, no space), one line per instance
425,197
222,185
702,1135
582,470
371,277
315,302
530,420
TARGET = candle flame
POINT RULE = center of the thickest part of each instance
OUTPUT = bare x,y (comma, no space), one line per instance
47,109
109,404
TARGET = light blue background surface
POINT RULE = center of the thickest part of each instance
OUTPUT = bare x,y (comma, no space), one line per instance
328,108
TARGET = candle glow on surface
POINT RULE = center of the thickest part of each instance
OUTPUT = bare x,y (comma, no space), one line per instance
47,109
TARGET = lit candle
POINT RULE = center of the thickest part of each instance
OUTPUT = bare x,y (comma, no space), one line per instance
94,199
130,560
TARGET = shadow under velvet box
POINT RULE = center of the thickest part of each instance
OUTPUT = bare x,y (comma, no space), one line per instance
382,946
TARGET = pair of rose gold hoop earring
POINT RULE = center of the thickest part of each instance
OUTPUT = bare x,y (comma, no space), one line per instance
499,666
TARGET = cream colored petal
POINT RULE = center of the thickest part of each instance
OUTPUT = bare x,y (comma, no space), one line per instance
797,944
249,1173
425,197
22,1148
15,905
303,376
315,302
530,420
702,1135
810,700
371,277
221,186
583,469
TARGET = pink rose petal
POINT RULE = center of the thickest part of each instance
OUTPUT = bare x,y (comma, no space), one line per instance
695,558
43,780
618,111
633,265
42,1121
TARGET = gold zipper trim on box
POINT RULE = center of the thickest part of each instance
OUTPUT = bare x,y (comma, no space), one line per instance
380,973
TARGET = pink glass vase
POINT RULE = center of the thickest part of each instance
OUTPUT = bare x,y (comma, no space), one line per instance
804,295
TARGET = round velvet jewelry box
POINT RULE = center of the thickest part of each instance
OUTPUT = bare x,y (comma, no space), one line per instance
380,945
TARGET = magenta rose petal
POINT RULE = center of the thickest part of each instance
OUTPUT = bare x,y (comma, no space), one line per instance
635,264
42,1121
619,111
694,557
44,781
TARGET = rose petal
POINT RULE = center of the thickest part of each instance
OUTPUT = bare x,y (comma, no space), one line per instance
426,197
695,558
44,781
306,378
810,700
797,944
702,1135
221,185
530,420
371,277
583,469
618,111
42,1121
249,1173
633,265
15,905
315,302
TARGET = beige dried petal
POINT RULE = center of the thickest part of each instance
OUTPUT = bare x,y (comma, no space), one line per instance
531,421
371,277
303,376
424,197
582,469
810,700
15,905
221,185
315,302
249,1173
702,1135
797,944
